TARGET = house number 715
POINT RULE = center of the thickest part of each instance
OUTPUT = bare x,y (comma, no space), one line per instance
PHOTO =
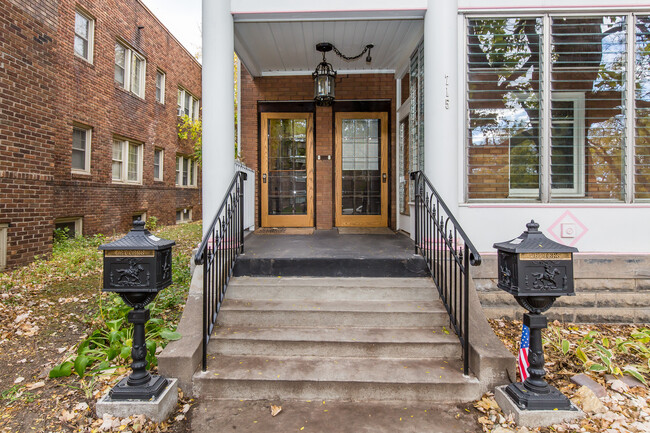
447,100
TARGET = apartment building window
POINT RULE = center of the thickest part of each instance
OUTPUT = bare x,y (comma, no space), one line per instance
130,69
127,161
70,227
183,215
160,86
188,104
81,138
186,171
547,101
84,33
3,246
158,158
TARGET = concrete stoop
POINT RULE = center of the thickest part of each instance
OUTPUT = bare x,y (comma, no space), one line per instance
303,338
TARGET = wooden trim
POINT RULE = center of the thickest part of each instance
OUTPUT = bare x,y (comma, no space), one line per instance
361,220
286,220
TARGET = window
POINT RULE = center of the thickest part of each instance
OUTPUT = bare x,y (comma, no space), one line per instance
546,122
139,216
160,86
186,171
416,115
188,105
84,32
641,174
127,161
81,150
183,215
158,158
130,69
70,227
3,246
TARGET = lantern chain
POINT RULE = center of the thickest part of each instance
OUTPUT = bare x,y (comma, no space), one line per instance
343,56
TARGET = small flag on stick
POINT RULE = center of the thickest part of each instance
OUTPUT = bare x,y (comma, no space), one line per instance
522,358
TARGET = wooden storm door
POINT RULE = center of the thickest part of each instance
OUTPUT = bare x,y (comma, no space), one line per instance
361,193
287,170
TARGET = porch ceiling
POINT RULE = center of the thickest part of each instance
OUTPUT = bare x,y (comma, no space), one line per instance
286,45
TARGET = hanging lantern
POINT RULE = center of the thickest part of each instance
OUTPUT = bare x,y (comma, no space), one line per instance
324,78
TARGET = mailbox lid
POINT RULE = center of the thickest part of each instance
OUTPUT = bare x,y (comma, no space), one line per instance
138,238
533,241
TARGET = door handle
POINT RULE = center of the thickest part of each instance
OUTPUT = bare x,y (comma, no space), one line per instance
264,178
383,177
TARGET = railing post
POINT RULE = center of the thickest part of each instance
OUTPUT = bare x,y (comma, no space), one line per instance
206,313
415,177
466,312
242,177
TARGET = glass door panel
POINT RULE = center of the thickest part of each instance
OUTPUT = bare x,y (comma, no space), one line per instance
361,175
286,170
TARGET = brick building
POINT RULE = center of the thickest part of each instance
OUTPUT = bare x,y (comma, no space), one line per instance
90,93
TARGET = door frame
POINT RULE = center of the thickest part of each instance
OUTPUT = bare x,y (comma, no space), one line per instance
381,220
286,220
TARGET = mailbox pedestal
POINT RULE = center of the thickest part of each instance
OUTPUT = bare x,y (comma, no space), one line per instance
137,267
536,271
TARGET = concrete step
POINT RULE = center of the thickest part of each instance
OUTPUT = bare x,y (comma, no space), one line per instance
432,343
332,289
306,378
262,314
338,266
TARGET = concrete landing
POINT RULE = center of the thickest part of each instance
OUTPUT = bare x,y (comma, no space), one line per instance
327,253
328,417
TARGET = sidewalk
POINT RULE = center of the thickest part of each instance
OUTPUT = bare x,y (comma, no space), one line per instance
212,416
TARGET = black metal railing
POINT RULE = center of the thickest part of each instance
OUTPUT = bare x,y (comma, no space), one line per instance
448,252
222,243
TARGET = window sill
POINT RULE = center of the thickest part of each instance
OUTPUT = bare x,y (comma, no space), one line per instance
81,173
187,186
121,182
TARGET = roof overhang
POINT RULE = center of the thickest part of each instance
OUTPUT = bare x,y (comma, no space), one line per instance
271,44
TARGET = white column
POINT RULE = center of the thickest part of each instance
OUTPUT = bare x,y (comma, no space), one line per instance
441,99
218,105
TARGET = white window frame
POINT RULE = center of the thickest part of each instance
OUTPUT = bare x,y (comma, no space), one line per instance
160,163
91,35
3,245
163,78
78,224
192,171
186,215
88,130
125,161
181,104
578,99
545,125
130,57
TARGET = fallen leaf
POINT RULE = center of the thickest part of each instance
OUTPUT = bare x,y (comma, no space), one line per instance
275,410
37,385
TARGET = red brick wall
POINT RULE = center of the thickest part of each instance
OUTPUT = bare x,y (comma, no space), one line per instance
301,88
47,89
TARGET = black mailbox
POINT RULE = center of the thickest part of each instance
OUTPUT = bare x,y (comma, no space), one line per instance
137,267
139,262
532,265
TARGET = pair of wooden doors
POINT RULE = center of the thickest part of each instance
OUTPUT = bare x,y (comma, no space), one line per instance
360,169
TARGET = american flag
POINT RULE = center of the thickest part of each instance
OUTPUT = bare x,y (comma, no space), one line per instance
522,359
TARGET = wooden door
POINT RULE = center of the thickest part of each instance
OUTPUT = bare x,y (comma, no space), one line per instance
361,178
287,170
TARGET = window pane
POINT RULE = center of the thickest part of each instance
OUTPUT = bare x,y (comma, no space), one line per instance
178,169
504,64
192,172
78,149
120,54
195,108
136,76
588,67
132,166
117,160
185,164
160,86
642,99
157,155
81,29
188,103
